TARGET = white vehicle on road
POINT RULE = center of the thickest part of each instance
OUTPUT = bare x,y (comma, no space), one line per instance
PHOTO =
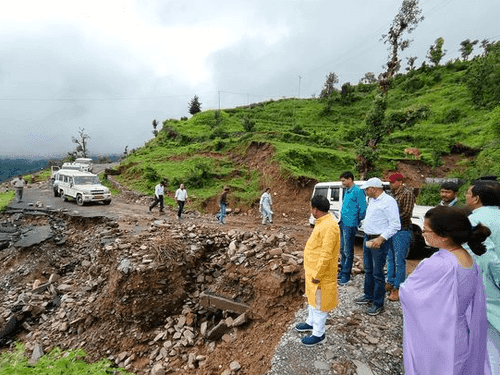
83,187
334,192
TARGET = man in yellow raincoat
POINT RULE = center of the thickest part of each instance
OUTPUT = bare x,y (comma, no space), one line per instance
320,264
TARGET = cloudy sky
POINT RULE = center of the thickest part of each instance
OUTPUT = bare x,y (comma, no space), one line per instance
112,66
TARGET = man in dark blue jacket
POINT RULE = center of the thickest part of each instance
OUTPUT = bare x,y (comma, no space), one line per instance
352,213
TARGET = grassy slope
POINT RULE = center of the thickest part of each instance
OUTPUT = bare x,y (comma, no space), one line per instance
306,141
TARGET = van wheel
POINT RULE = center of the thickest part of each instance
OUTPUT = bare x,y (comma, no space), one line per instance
79,200
63,196
107,202
56,193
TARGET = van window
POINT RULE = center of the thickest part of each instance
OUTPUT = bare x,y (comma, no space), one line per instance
335,194
321,191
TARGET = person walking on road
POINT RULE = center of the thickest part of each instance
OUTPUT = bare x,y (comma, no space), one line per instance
19,184
181,197
266,201
221,215
396,258
159,193
321,256
352,213
381,223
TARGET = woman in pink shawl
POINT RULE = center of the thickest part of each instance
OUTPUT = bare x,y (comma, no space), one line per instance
443,300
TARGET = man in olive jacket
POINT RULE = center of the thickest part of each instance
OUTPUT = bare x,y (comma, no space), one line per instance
321,256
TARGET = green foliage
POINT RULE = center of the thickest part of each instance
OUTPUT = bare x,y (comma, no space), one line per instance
347,94
436,51
248,124
194,105
104,180
329,86
429,195
56,362
483,78
399,120
451,115
5,198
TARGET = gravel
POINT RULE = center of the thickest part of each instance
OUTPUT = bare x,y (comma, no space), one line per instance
356,343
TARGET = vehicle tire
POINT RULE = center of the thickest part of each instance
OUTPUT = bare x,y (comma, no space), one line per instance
79,200
63,196
56,193
106,202
417,244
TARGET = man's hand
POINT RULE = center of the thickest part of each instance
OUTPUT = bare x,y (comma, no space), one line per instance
315,281
377,242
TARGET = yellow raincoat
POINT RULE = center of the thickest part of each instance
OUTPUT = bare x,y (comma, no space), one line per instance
321,256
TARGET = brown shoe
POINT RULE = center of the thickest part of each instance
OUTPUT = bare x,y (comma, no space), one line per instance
388,287
394,296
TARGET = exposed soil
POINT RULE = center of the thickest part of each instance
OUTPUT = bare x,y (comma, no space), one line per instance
96,305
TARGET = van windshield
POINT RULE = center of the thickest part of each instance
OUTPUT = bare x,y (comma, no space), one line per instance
323,191
86,180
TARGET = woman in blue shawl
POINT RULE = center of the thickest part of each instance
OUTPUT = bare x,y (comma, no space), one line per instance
443,300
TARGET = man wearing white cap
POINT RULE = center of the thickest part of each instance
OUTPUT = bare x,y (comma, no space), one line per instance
381,223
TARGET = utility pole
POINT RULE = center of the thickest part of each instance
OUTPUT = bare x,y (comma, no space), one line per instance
300,77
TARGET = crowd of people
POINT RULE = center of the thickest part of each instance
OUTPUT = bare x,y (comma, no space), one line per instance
450,302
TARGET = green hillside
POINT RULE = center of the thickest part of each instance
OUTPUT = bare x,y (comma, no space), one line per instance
439,110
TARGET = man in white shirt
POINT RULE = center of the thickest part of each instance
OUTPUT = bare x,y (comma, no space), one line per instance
181,198
381,223
159,193
18,184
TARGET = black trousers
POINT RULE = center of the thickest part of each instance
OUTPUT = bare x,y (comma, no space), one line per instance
181,207
157,200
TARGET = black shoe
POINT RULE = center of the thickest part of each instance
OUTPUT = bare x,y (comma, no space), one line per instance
363,300
375,310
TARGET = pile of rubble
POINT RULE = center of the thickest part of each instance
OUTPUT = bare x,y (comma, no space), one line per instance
160,299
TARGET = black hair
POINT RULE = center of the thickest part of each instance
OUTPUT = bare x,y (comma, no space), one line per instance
449,185
347,175
321,203
453,223
488,191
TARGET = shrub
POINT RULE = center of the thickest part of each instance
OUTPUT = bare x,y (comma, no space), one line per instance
413,84
429,195
248,124
451,115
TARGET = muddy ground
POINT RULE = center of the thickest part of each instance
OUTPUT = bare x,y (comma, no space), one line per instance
126,284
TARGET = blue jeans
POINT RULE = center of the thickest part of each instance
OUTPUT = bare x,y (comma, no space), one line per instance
396,258
221,215
347,235
374,261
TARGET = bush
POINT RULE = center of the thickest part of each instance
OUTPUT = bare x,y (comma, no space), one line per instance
248,125
451,115
413,84
429,195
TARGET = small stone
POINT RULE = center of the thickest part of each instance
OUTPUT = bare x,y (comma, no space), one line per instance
234,366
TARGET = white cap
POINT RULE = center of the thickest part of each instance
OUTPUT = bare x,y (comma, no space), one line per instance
373,182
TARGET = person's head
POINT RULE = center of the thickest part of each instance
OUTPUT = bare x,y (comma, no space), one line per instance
449,227
395,181
182,187
373,187
319,206
20,176
347,179
448,191
268,190
164,182
483,193
226,188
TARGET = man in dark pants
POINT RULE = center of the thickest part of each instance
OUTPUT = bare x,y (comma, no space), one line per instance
181,198
352,213
396,259
381,223
159,193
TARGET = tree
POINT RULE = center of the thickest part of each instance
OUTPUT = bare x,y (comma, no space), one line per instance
486,45
369,77
155,124
329,86
436,51
466,48
194,105
81,142
411,63
405,22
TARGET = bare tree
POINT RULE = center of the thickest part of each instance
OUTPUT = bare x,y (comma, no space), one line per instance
405,22
81,143
369,77
411,63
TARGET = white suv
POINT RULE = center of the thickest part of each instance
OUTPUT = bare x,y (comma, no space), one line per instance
83,187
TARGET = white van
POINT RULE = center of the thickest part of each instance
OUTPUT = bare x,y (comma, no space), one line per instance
81,186
334,192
